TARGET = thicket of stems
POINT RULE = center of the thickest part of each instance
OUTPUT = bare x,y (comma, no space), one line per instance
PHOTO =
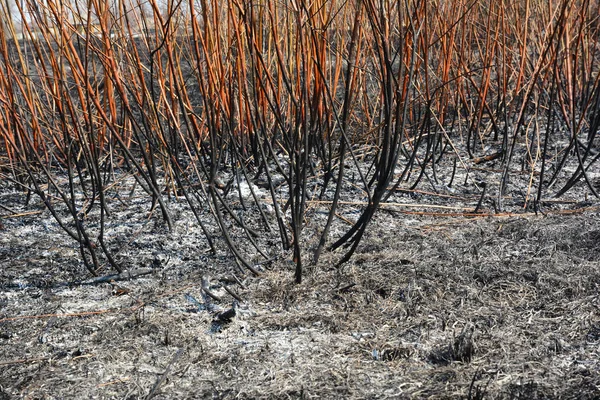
194,98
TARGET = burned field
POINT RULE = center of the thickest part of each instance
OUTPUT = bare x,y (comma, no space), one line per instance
431,306
320,199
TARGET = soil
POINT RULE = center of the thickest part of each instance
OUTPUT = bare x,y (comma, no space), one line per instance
434,304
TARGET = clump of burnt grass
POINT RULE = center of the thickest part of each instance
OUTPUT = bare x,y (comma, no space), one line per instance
252,112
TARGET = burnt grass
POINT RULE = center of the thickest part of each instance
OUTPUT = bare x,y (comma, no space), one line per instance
432,305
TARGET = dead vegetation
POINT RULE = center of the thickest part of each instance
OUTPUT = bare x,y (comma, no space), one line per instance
430,307
171,171
252,112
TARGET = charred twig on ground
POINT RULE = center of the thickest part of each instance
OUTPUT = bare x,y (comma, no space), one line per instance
232,293
164,375
206,290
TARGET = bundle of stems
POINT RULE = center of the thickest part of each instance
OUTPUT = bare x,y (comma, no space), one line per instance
194,99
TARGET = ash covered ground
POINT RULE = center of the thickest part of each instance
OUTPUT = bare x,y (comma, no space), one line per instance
434,304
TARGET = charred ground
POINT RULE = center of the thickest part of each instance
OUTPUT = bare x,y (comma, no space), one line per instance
431,306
